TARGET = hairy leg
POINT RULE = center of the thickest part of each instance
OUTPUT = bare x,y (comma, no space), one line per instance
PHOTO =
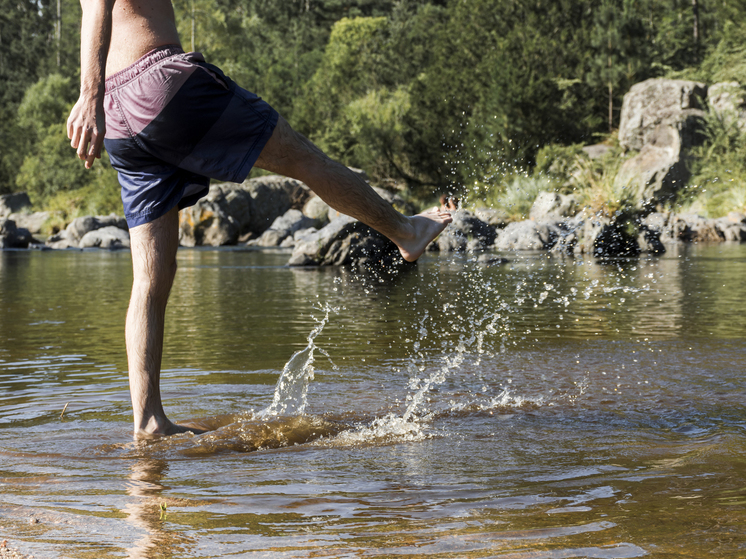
153,248
293,155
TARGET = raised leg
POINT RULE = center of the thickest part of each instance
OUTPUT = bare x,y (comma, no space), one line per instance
293,155
153,248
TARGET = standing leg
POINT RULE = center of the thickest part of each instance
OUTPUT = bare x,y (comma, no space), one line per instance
153,248
291,154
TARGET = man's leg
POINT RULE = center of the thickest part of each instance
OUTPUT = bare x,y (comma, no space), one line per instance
153,248
293,155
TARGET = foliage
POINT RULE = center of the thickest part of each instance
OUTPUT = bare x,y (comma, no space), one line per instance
516,194
719,168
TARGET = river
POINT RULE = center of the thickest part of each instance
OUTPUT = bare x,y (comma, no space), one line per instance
546,407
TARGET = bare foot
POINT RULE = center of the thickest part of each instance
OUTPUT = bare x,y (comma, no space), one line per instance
164,428
425,227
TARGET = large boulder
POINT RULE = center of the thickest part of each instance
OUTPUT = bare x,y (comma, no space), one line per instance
527,235
34,222
661,119
465,232
596,234
657,103
317,209
491,216
552,206
14,203
12,236
283,227
80,226
347,242
652,176
110,237
728,101
230,210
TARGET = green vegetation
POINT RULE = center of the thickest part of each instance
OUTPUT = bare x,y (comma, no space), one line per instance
490,99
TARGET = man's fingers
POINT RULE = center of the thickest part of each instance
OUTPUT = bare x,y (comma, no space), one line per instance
95,150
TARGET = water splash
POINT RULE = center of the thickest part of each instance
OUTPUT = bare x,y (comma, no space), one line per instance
291,392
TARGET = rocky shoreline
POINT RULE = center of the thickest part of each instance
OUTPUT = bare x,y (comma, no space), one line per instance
661,120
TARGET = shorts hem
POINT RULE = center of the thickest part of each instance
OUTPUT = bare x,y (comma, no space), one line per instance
256,149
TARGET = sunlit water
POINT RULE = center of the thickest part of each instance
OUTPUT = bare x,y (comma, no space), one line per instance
545,408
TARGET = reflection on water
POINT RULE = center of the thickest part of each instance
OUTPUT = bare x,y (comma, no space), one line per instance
548,407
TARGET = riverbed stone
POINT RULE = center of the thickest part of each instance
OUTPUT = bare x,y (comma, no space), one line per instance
110,237
527,235
34,221
12,236
317,209
284,227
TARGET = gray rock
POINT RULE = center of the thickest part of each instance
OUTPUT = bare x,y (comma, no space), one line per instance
657,103
271,197
80,226
346,242
527,235
694,228
12,236
110,237
728,101
13,203
318,210
61,240
652,176
551,206
731,231
465,232
34,222
493,217
283,227
230,211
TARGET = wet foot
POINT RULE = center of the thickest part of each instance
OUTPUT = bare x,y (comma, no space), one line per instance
155,430
426,226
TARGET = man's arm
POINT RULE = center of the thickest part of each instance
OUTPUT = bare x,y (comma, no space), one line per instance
85,125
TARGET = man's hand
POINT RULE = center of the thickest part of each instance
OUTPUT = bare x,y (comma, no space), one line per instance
86,129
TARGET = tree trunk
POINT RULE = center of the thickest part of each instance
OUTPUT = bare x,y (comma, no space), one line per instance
695,11
611,107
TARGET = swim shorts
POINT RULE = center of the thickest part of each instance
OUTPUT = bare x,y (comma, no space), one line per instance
173,122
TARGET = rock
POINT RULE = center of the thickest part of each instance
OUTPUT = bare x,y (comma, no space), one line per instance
527,235
61,240
728,101
218,218
614,241
661,103
551,206
694,228
653,175
731,231
271,197
347,242
465,232
12,236
110,237
232,211
318,210
595,234
283,227
34,222
493,217
80,226
13,203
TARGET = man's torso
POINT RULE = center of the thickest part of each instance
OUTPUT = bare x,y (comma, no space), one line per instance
139,26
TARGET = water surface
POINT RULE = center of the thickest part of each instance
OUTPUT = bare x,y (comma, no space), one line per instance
545,408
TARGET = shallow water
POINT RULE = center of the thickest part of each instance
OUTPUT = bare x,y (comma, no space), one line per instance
545,408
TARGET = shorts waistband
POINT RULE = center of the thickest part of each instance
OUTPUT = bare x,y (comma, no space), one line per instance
141,65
